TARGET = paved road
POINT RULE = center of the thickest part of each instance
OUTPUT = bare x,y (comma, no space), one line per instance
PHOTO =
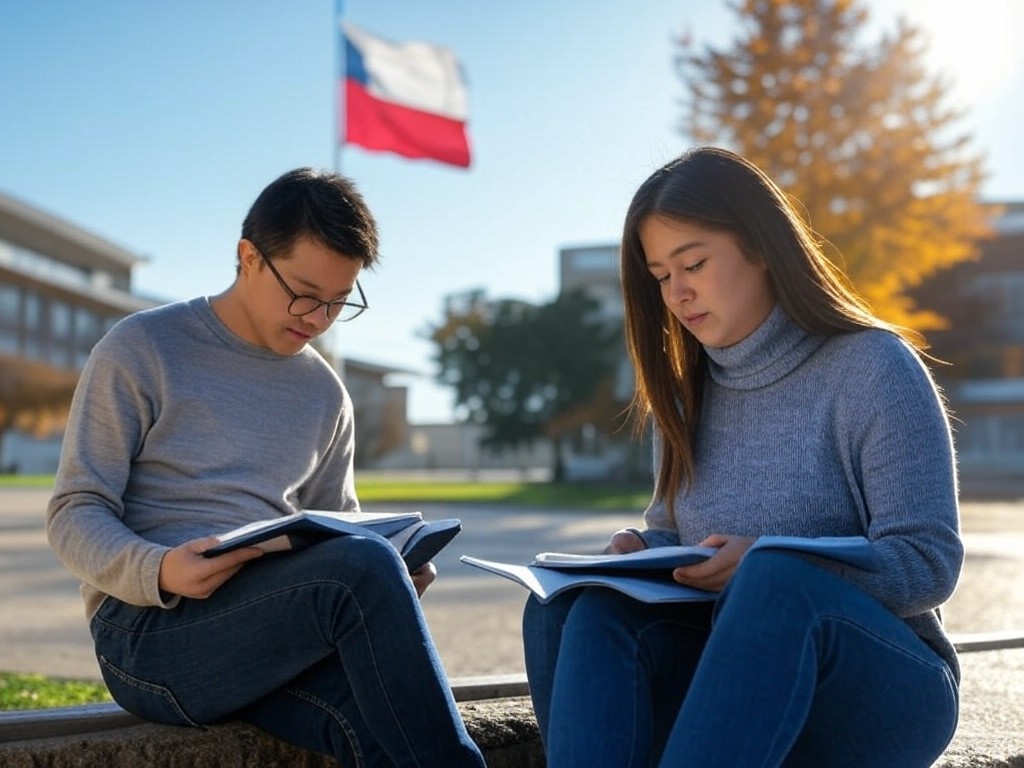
474,616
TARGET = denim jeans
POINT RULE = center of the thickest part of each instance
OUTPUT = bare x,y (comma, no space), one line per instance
792,667
326,648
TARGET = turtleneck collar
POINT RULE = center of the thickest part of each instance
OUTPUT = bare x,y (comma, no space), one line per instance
777,347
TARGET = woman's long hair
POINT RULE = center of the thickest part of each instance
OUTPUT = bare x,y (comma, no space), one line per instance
720,190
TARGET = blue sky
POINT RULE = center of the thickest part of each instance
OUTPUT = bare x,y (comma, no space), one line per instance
155,125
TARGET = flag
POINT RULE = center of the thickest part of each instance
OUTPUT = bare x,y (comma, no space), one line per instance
408,98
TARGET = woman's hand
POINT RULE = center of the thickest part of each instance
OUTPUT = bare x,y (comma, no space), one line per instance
184,571
714,573
624,541
423,577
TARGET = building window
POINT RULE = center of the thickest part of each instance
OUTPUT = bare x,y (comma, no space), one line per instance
32,320
32,316
89,327
61,334
992,438
60,320
1006,291
10,298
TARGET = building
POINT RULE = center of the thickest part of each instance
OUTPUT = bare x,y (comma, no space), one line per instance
602,451
380,408
457,448
983,301
61,288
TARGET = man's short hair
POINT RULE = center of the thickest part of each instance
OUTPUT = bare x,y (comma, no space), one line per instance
316,204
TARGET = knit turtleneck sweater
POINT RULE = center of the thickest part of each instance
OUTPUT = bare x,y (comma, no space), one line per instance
805,435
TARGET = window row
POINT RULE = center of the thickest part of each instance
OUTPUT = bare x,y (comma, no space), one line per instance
47,328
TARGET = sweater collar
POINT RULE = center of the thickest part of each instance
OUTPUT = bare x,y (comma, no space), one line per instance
777,347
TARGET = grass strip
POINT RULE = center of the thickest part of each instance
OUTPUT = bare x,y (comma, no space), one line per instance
23,691
514,494
26,481
379,489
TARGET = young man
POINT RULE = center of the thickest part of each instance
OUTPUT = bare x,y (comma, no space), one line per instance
196,417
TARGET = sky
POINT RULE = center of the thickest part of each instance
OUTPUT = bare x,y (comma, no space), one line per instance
156,124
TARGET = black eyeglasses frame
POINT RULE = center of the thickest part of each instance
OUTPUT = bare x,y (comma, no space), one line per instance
332,309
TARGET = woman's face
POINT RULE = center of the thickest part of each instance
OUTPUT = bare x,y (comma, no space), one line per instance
717,293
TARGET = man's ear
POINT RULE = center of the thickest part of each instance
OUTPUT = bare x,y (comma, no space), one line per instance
247,256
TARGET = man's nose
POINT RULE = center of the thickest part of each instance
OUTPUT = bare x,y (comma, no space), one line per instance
317,318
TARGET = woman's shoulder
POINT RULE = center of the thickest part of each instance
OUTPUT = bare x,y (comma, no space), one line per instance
877,346
877,356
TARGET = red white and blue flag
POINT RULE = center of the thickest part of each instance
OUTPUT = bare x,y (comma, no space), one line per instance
407,98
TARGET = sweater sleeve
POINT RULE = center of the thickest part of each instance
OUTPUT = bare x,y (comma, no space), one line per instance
332,485
660,529
899,452
110,413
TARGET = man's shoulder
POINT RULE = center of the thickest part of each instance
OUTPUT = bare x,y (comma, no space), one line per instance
146,330
155,316
315,364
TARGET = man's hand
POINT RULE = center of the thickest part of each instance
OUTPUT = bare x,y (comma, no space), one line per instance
624,541
715,572
184,571
423,577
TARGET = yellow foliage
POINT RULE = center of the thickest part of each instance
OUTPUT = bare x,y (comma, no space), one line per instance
857,131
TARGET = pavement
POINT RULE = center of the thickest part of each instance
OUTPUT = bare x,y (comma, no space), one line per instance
475,617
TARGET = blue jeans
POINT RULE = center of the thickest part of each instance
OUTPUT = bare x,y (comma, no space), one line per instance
793,666
326,648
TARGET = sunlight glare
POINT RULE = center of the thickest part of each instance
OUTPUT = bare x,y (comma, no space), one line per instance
970,43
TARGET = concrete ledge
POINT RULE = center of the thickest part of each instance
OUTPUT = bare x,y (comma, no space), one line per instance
496,710
988,641
505,730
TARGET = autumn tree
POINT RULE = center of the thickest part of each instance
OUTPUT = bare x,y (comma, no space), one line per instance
527,372
857,131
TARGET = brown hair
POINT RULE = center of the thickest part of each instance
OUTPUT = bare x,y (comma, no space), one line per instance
718,189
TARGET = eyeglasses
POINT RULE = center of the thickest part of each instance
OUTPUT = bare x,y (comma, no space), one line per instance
341,310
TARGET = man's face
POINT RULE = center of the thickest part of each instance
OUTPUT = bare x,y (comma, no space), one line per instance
311,269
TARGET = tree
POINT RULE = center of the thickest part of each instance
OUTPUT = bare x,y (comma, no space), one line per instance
526,372
859,133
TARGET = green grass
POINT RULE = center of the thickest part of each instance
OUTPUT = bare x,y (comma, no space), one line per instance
26,481
518,494
18,691
374,488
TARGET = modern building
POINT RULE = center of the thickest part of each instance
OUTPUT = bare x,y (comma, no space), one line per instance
61,288
983,301
601,451
380,407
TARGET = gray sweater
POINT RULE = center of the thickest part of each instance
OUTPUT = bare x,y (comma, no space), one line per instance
842,436
180,429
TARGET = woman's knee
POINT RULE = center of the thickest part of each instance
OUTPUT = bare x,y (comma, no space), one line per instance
772,569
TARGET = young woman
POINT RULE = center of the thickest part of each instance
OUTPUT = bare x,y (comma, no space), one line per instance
780,405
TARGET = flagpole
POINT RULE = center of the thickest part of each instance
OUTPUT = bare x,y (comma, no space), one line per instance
338,83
